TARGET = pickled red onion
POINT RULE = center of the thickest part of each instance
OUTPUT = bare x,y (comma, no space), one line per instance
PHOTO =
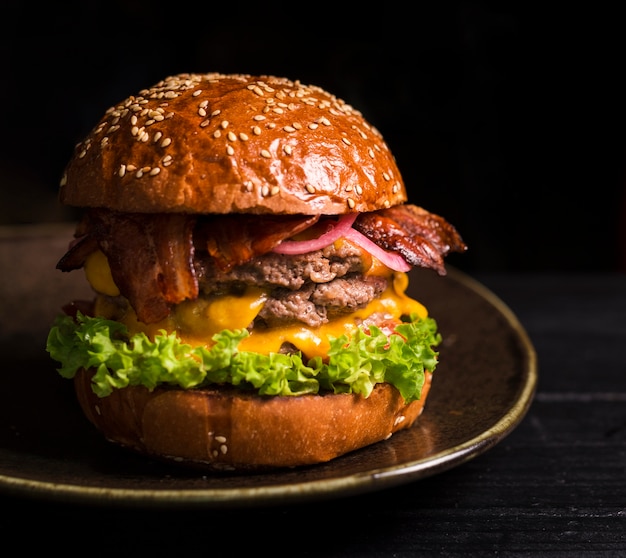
334,232
343,228
390,259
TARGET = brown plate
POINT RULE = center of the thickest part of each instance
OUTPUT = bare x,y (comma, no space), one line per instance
482,389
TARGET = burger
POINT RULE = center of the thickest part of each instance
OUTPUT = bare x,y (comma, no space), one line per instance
248,241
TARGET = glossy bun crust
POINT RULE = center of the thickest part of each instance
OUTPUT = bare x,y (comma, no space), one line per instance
219,429
212,143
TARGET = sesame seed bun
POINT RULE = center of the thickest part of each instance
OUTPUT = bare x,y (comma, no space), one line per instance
212,143
222,430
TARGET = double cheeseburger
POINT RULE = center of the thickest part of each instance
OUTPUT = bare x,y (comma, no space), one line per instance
247,239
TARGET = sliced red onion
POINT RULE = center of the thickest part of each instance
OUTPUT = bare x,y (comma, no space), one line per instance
334,231
343,228
390,259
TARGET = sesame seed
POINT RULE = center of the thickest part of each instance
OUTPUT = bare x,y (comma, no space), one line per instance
396,188
202,112
232,136
166,142
220,439
224,124
346,141
287,149
289,129
205,123
297,125
122,171
371,152
274,190
256,131
359,189
197,92
224,449
217,134
265,153
386,176
399,419
259,117
216,112
313,126
349,188
243,137
248,186
265,191
230,150
157,136
131,168
351,203
310,188
155,171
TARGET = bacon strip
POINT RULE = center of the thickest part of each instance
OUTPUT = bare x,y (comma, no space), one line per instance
151,259
234,239
77,253
421,237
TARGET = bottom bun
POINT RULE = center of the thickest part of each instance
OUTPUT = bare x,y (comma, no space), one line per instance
227,429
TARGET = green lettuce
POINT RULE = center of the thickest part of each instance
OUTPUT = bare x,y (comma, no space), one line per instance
354,365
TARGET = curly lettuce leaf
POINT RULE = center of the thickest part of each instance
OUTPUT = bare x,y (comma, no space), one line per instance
354,365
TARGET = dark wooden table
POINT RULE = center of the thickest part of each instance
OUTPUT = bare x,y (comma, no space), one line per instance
556,486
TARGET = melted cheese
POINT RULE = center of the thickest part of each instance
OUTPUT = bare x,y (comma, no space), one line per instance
196,321
98,273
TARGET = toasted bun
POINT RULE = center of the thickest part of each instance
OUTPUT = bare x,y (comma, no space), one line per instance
221,429
212,143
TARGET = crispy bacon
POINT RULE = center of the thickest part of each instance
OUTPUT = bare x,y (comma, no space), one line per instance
422,238
151,258
77,253
234,239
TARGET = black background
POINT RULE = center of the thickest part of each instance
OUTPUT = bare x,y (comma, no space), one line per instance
506,119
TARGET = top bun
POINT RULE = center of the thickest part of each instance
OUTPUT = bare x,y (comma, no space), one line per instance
213,143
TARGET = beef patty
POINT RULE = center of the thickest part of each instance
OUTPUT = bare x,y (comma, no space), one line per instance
311,288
